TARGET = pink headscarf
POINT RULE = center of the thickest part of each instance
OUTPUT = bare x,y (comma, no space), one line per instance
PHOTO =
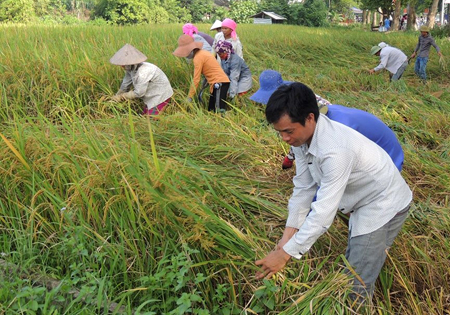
232,25
190,29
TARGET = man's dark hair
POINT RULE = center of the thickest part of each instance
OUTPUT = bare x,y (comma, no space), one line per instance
296,100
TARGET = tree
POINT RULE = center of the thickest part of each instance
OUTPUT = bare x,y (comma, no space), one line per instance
280,7
397,14
219,13
432,15
241,10
41,7
198,9
342,6
384,7
313,13
123,12
176,12
411,25
158,15
16,10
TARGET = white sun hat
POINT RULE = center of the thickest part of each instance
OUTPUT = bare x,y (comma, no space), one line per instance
217,24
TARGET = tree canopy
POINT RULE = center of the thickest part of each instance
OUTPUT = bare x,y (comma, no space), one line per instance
125,12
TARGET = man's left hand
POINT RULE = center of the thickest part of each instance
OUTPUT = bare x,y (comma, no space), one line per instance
371,71
272,263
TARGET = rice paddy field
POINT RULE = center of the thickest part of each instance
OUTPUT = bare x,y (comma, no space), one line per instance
103,211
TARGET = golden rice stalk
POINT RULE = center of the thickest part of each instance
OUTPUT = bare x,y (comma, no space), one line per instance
16,153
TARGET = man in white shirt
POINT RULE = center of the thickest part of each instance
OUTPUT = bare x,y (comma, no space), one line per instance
350,174
391,59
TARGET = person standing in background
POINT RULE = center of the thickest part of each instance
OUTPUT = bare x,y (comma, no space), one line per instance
423,49
387,23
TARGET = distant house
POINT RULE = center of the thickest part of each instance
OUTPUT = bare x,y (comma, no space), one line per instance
267,18
358,14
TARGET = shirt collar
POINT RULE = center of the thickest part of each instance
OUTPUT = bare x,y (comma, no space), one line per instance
318,131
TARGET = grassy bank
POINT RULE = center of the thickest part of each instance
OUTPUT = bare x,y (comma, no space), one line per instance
168,216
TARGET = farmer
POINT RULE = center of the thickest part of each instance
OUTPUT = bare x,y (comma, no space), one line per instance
382,45
228,34
205,39
423,47
148,81
206,64
235,68
216,26
356,177
365,123
387,23
391,59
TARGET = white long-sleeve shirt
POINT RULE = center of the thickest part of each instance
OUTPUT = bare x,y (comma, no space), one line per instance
355,176
391,59
149,83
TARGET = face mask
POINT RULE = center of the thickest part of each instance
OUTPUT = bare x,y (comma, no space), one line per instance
191,55
128,67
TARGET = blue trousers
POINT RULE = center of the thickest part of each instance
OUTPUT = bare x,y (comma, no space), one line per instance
367,253
420,67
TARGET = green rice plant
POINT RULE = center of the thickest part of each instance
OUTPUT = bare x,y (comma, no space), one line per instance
169,215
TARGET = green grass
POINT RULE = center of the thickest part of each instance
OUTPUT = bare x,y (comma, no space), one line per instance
168,216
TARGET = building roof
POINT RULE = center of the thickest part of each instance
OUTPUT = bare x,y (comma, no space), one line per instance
356,10
272,15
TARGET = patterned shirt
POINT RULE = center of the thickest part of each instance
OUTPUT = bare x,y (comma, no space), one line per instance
237,46
355,176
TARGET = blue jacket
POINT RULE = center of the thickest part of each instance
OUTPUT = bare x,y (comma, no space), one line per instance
239,74
371,127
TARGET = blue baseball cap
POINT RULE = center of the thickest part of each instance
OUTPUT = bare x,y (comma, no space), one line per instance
269,82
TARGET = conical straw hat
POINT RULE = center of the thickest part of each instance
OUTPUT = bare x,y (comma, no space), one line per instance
127,55
217,24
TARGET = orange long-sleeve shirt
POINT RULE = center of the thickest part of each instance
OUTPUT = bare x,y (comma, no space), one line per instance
206,64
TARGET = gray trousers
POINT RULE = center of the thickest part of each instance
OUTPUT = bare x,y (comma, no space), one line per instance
367,253
399,72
